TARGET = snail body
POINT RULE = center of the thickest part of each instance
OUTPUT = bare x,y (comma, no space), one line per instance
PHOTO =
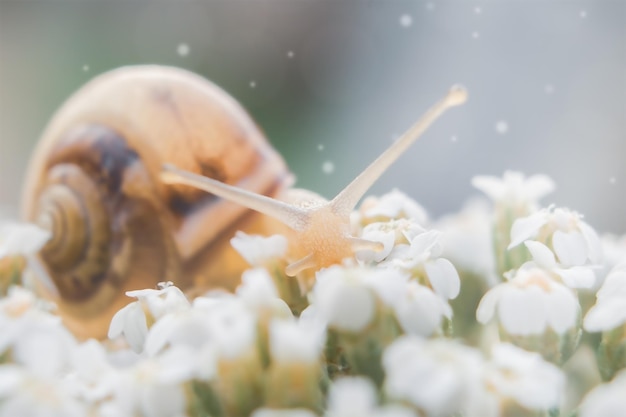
94,181
118,177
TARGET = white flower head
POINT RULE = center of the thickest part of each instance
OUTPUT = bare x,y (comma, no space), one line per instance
467,239
393,205
524,377
609,312
342,299
514,188
606,400
439,377
290,412
233,326
574,242
291,342
389,233
258,292
529,303
21,238
356,397
259,250
420,311
572,277
25,394
168,298
422,258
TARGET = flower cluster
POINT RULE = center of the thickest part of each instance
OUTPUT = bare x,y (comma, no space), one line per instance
486,312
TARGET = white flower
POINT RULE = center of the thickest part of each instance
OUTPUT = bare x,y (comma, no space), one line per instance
232,326
467,242
259,250
422,258
346,297
356,397
258,292
25,394
342,299
606,400
291,342
514,189
525,378
420,311
439,377
529,303
389,233
188,327
132,320
393,205
574,242
168,298
292,412
609,312
154,387
573,277
21,239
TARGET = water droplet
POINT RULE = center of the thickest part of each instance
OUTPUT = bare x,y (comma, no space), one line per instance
328,167
320,147
549,89
478,10
252,84
290,54
430,6
406,20
475,35
454,139
612,180
583,14
85,68
183,49
502,127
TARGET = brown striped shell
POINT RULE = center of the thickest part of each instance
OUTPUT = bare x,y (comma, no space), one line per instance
94,182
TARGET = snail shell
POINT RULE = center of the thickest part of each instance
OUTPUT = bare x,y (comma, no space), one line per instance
94,182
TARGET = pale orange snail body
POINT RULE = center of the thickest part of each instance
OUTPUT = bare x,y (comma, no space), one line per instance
115,179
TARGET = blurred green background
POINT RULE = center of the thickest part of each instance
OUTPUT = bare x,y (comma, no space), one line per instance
336,81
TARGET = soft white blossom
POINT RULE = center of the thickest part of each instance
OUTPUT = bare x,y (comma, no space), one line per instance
23,393
525,378
529,303
439,377
574,242
606,400
419,311
514,188
609,311
21,238
258,292
389,233
422,258
132,320
467,241
259,250
573,277
357,397
291,342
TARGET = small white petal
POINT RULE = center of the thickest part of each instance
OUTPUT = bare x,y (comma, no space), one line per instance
538,186
606,315
542,255
494,187
526,228
571,248
443,277
487,306
351,396
522,311
562,309
594,245
577,277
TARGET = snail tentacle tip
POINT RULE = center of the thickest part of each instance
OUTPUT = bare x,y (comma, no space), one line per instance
457,95
300,265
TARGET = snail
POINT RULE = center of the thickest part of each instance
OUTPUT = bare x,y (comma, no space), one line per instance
118,178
